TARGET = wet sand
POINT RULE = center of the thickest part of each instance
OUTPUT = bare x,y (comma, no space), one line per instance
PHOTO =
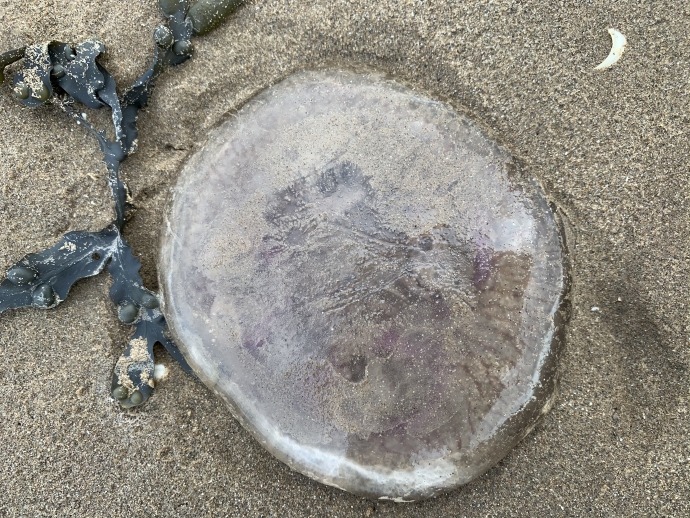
612,149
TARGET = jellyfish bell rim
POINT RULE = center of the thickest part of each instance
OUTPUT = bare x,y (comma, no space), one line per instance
532,411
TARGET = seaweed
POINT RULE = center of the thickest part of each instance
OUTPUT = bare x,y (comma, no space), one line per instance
62,74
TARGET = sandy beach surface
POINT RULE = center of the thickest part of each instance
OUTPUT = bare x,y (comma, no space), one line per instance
612,149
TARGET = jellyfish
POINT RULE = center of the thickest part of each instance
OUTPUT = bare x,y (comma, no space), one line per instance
374,285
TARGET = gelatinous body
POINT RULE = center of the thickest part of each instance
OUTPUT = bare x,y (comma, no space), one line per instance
369,282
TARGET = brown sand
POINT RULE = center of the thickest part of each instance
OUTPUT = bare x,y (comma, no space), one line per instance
612,148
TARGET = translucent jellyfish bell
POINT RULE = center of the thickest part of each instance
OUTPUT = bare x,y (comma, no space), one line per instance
369,283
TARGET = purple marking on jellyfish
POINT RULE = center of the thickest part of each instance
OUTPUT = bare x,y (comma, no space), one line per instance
482,266
384,345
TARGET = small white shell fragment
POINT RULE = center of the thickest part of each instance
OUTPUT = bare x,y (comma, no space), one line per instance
160,372
595,308
618,43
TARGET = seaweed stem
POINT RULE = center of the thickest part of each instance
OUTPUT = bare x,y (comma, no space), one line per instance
9,57
43,280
